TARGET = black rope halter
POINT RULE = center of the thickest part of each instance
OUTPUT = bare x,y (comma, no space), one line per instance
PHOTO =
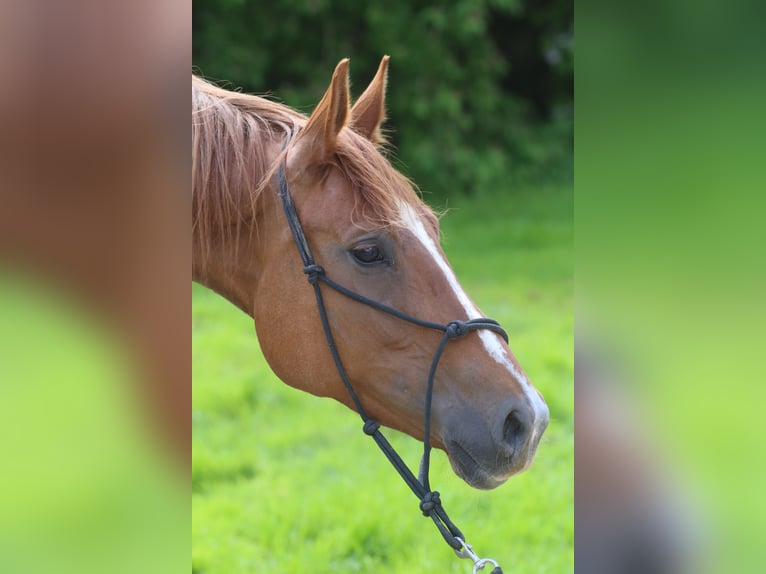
430,500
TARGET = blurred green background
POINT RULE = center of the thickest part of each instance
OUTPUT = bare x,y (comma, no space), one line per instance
86,485
670,250
480,114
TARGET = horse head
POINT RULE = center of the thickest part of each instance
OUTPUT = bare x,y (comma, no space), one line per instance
370,232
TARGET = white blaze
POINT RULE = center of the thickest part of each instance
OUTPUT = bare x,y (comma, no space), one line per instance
493,343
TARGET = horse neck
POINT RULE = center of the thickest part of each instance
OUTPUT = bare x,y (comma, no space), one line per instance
228,231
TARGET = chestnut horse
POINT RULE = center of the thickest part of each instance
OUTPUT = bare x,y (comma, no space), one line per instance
371,233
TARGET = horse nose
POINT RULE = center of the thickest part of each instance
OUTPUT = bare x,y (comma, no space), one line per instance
516,430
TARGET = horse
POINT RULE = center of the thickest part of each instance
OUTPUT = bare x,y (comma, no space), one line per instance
267,179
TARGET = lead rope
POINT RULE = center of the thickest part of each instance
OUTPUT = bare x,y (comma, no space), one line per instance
430,500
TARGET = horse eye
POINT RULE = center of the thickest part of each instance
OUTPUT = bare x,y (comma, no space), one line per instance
368,254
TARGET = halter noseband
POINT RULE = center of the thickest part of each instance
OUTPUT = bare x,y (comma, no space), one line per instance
430,501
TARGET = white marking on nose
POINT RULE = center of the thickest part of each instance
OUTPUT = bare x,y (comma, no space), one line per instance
493,343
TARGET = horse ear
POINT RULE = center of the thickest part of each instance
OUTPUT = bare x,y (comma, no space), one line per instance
369,111
317,140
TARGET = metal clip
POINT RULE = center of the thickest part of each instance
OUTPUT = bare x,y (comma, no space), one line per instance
466,552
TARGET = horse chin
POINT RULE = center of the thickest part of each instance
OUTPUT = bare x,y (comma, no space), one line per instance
466,467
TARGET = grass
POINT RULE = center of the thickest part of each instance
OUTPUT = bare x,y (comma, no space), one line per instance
283,481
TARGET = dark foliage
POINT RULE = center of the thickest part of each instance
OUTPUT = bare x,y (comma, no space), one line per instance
480,93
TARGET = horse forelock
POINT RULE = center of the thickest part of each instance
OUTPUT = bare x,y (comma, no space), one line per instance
379,189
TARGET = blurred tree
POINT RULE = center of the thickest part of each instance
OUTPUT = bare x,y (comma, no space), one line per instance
480,91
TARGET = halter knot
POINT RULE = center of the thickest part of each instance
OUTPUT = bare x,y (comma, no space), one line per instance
456,329
370,427
430,501
313,271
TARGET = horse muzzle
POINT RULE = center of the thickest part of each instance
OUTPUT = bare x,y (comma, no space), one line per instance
486,456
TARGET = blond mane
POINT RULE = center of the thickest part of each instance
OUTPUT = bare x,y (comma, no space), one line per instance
233,140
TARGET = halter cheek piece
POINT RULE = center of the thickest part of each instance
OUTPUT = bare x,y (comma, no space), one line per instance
430,501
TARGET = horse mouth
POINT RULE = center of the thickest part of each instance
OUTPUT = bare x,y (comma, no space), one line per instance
470,470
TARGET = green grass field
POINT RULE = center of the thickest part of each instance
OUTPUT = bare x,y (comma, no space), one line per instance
286,482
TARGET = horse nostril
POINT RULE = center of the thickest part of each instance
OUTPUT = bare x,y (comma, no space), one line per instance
514,429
